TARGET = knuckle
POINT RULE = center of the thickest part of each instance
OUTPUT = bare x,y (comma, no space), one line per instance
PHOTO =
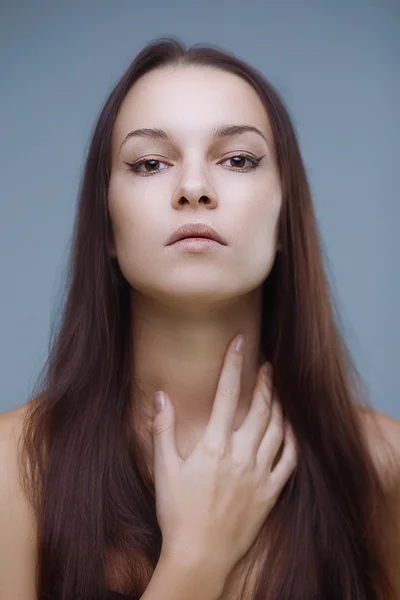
242,458
214,448
261,408
241,464
160,427
229,392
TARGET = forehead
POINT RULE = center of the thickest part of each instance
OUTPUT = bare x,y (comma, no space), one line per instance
189,101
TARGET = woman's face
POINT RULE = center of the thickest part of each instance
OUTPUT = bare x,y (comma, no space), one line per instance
193,177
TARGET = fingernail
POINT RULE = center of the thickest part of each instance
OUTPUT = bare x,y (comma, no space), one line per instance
239,345
159,402
267,370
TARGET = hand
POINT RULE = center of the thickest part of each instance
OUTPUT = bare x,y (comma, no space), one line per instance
211,506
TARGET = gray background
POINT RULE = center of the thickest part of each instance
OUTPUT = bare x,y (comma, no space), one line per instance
336,65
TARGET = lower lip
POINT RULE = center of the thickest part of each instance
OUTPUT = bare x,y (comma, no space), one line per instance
197,244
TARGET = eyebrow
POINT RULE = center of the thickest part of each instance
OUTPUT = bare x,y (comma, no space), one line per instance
218,132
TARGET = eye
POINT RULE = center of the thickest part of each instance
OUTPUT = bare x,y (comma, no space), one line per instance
150,161
153,162
240,158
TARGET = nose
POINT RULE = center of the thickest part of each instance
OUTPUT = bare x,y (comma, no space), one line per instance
194,201
194,189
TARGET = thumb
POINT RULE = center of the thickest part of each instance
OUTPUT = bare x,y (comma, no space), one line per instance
164,430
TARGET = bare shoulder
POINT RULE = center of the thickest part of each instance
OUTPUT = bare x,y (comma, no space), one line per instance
383,438
11,423
17,523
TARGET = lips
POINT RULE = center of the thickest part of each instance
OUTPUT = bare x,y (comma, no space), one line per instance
195,230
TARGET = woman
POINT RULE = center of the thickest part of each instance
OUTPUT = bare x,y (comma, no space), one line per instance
97,491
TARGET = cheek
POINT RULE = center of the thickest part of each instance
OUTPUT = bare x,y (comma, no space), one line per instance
131,218
138,238
257,233
259,217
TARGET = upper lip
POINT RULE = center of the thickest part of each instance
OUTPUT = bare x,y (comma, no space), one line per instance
195,230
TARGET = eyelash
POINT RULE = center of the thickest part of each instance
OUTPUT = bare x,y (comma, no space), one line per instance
135,166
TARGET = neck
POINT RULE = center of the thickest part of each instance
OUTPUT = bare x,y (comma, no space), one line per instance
181,352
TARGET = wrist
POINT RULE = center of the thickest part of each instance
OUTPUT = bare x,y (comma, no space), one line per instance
194,571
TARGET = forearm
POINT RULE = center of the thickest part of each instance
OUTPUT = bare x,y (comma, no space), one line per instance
177,580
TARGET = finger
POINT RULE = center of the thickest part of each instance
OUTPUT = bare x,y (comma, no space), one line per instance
227,396
250,434
288,461
272,438
165,451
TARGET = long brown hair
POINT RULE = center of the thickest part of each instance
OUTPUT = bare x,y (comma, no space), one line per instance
82,467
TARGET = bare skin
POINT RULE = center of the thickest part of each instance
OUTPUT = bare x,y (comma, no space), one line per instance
186,307
18,528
